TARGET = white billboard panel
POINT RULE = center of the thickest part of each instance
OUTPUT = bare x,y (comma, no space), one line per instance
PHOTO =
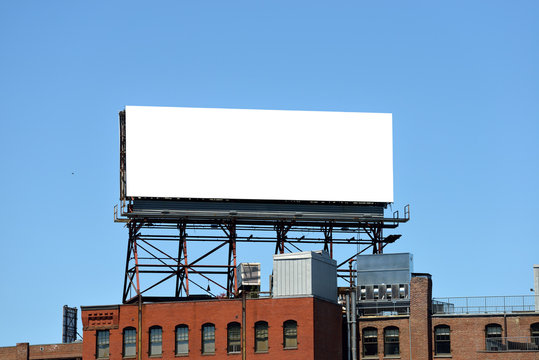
258,154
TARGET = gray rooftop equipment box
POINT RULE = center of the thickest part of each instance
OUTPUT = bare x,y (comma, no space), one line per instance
384,269
308,273
248,274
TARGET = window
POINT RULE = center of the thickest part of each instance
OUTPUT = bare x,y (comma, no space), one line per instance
290,334
261,336
130,342
208,339
233,337
370,341
442,340
493,337
391,341
102,344
182,340
156,341
534,332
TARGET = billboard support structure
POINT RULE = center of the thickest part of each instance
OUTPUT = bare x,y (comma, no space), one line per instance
148,257
161,201
69,324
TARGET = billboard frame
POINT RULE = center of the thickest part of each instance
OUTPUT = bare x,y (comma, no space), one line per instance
262,199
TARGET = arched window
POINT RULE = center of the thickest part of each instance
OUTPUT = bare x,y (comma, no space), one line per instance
370,341
534,333
290,334
182,340
233,337
156,341
391,341
130,342
208,338
442,340
102,344
261,336
493,337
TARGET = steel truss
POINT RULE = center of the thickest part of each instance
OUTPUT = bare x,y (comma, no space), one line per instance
158,248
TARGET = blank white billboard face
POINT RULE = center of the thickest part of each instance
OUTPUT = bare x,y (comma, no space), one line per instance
258,154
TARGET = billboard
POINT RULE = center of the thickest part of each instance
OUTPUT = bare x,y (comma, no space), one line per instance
206,153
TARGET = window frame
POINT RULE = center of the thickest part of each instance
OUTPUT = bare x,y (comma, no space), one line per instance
534,333
129,328
261,327
493,339
390,342
208,341
290,325
98,344
176,347
441,342
151,341
365,343
233,328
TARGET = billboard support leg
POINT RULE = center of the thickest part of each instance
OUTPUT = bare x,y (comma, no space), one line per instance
182,278
281,228
232,281
131,272
327,229
375,233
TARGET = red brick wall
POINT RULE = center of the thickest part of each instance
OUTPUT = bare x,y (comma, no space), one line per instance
468,334
56,351
327,331
420,320
8,353
220,313
24,351
380,323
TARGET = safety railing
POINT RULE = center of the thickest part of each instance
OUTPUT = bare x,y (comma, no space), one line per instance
383,308
513,343
485,304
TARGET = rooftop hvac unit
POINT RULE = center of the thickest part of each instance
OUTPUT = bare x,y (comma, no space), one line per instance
308,273
381,269
249,274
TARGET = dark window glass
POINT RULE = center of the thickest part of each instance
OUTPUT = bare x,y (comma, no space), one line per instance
261,336
534,332
182,340
156,341
102,344
391,341
208,339
290,334
442,340
493,337
233,339
130,342
370,341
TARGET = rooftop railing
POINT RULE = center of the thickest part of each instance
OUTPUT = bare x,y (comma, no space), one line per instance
485,304
513,343
384,308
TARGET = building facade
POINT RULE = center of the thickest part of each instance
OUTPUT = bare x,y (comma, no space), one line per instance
284,328
508,333
25,351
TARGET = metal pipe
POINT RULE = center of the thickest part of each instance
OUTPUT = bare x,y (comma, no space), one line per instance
139,333
243,322
353,317
347,296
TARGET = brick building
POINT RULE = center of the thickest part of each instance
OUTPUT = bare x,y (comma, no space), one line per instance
433,330
25,351
284,328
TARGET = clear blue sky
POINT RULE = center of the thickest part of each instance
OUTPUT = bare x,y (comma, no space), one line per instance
461,79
